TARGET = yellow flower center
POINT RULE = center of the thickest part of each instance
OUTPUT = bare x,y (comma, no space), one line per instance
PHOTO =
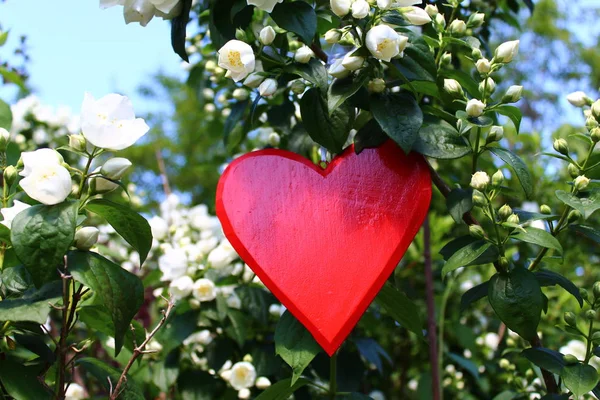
235,58
384,43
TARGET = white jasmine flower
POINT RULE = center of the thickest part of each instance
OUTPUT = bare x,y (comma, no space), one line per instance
341,8
115,168
416,15
268,87
173,264
352,63
265,5
159,227
360,9
303,54
385,43
578,99
262,383
480,180
267,35
204,290
337,69
507,51
110,123
45,179
11,212
242,376
475,108
181,287
238,59
75,392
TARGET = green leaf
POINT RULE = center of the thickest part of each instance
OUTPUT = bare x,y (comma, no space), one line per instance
314,72
21,382
298,17
587,231
507,395
256,301
119,291
539,237
33,306
550,278
13,77
41,236
369,136
467,365
108,377
283,389
418,63
459,202
587,203
134,228
5,116
579,378
465,80
372,352
15,279
237,330
341,89
474,294
178,25
3,38
401,308
465,256
547,359
37,345
177,329
330,131
513,113
517,299
399,116
526,216
295,345
440,140
233,119
5,234
519,166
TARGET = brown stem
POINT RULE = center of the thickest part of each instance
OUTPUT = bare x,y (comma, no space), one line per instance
163,172
431,325
138,351
319,52
62,348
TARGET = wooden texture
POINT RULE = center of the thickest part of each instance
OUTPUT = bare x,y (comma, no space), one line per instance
324,241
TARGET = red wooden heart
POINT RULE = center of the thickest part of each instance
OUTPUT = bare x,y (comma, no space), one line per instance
324,241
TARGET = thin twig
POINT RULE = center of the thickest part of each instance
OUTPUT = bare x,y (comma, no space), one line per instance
163,172
319,52
139,350
431,325
61,350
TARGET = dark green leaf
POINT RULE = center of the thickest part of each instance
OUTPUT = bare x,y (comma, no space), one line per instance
330,131
5,116
178,25
519,166
295,345
41,236
525,216
200,385
119,291
547,359
21,382
465,80
459,202
298,17
507,395
467,365
134,228
177,329
579,378
15,279
369,136
283,389
399,116
517,299
401,308
587,203
256,300
472,295
489,256
539,237
4,234
418,63
342,89
440,140
550,278
513,113
237,329
233,119
108,377
587,231
372,352
465,256
37,345
33,306
314,72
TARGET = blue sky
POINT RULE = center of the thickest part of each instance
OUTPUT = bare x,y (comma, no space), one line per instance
76,47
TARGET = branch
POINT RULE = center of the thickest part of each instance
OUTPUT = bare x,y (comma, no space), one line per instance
319,52
139,350
163,172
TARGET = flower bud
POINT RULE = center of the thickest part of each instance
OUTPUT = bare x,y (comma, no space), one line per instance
377,85
496,134
453,88
503,261
479,199
596,109
596,290
431,10
595,134
570,318
507,51
545,209
440,20
458,27
415,15
4,139
513,219
476,231
360,9
583,293
115,168
504,363
505,211
581,182
561,146
480,180
476,53
579,99
303,55
262,383
240,94
341,8
352,63
446,58
100,185
337,70
475,108
267,35
487,86
294,45
241,35
570,359
253,80
476,20
384,4
333,36
590,315
483,65
268,87
10,175
513,94
497,178
573,171
77,142
274,139
298,86
86,237
596,336
574,216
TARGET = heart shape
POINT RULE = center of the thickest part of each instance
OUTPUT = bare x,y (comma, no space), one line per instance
324,241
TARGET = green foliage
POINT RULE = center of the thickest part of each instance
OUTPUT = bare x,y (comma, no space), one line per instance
399,116
283,389
297,17
106,375
5,116
35,305
401,308
579,378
